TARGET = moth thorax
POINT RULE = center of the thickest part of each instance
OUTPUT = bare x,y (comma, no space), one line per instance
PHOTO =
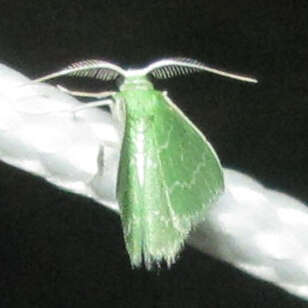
136,83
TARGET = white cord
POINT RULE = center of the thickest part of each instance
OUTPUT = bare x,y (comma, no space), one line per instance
258,230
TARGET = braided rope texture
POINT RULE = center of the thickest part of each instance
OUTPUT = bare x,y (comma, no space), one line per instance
260,231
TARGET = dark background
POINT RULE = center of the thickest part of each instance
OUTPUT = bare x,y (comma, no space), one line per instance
61,250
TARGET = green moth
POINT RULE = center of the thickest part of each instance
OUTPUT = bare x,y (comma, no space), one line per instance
169,174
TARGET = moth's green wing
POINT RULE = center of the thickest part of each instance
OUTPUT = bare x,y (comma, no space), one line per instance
192,171
169,175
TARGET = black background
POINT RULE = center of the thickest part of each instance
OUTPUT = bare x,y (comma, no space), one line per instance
61,250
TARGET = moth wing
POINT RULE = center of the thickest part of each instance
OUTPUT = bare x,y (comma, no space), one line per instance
191,169
189,180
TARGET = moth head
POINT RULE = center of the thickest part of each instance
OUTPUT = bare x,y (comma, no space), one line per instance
139,78
134,80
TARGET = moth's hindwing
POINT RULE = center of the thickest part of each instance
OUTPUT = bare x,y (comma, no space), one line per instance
169,176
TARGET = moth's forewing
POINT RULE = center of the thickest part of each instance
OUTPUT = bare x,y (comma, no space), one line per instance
169,175
196,178
129,194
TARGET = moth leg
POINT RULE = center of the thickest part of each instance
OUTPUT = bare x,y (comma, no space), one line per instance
106,102
103,94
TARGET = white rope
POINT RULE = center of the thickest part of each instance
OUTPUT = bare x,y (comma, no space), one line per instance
258,230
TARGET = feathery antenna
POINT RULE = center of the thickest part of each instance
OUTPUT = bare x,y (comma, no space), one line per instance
172,67
89,68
